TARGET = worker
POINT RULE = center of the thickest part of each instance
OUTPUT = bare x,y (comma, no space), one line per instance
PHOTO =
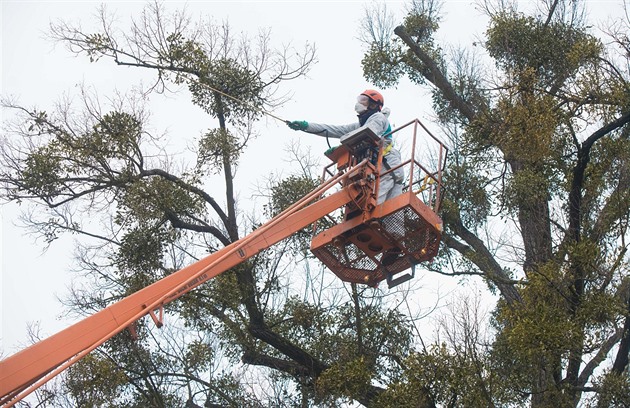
370,112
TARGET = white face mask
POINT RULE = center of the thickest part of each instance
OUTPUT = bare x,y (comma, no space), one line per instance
359,108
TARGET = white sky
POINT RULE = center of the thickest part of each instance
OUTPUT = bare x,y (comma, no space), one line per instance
39,72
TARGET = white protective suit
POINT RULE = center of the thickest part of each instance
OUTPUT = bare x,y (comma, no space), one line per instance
378,122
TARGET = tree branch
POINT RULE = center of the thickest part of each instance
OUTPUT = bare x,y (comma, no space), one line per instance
177,222
623,354
477,253
435,75
181,183
289,367
598,358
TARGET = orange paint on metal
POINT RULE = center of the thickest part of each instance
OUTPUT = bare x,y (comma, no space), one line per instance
371,244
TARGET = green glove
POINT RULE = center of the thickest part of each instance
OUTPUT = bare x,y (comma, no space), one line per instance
297,124
330,151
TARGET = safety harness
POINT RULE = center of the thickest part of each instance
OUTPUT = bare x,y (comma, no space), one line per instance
389,147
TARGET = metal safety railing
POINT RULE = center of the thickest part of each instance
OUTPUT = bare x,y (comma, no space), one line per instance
423,159
370,241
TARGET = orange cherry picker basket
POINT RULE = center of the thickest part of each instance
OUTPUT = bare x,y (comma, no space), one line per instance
377,242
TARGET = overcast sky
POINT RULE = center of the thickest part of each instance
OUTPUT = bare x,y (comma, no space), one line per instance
38,72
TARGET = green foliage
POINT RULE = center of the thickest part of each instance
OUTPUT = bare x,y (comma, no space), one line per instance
525,126
221,295
60,165
536,335
349,379
468,196
229,77
381,65
145,201
386,62
187,54
286,193
614,390
42,172
141,367
95,381
445,377
289,191
333,335
356,358
99,45
305,321
218,147
525,188
469,87
141,210
213,78
421,26
543,327
116,136
199,356
554,50
608,170
141,251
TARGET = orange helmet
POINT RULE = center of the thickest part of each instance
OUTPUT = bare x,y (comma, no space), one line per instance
375,96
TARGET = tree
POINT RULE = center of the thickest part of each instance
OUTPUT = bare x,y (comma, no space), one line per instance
540,144
95,170
541,141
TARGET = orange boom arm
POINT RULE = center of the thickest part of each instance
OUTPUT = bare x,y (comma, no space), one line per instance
28,369
371,244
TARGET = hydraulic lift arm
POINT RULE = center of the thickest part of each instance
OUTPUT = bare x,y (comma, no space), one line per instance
372,244
27,370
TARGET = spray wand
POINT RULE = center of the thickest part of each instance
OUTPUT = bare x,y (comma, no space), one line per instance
249,105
